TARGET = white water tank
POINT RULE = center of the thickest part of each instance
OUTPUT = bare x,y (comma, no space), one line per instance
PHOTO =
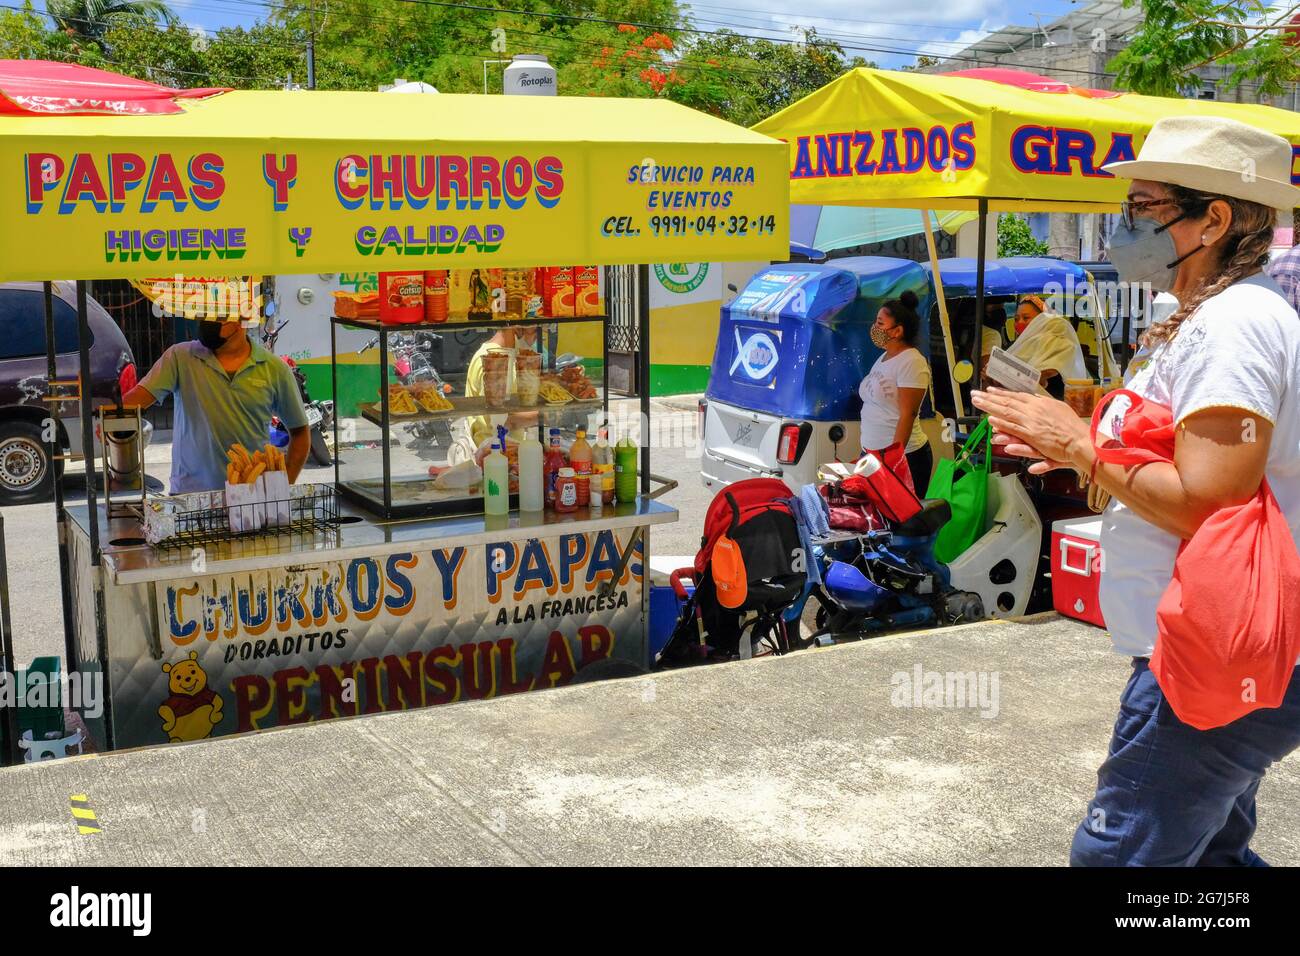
529,74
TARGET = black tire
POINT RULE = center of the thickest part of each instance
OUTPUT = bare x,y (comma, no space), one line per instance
607,668
320,452
26,472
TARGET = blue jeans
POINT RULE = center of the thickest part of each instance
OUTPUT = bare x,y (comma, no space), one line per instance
1172,795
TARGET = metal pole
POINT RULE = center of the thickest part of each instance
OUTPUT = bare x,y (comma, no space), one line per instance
87,420
7,650
60,515
643,368
979,292
311,45
604,347
92,508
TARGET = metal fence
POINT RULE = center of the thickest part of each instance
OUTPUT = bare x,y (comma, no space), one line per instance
147,334
622,298
904,247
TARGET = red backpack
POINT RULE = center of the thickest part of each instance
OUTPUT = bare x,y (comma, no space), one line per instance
748,496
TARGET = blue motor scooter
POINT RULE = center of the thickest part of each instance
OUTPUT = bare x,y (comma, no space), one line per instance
870,583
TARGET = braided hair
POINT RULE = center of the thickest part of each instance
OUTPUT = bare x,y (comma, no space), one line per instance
1243,253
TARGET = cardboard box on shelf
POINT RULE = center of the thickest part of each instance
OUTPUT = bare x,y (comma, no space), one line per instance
559,294
587,290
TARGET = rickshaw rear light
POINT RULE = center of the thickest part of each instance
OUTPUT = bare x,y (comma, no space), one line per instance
700,407
794,436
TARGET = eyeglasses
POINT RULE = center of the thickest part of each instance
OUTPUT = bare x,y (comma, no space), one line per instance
1129,207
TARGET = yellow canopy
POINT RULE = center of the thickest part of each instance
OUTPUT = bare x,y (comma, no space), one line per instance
275,182
888,138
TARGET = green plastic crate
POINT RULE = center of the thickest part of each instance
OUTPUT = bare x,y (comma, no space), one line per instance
42,721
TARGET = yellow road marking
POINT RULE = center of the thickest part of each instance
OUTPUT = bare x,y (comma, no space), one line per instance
81,811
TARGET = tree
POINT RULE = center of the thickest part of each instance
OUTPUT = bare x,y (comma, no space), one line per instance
1250,39
23,35
92,19
744,79
367,42
1253,40
1016,239
259,57
922,61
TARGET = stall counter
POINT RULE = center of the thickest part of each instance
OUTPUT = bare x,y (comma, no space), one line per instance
373,616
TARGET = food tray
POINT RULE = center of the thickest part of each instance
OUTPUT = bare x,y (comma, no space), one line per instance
467,407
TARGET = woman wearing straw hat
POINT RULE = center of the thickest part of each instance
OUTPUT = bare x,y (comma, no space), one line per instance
1198,223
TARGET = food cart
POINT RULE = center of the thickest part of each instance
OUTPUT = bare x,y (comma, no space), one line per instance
346,610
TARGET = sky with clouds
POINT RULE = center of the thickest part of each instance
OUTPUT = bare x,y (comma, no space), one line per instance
885,31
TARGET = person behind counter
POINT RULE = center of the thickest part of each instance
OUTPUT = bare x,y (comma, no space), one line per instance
227,387
1048,342
509,339
892,392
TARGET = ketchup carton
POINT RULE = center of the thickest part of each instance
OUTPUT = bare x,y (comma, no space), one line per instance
559,293
401,297
586,282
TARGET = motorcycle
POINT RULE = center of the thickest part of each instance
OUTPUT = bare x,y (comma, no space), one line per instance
888,579
320,415
430,439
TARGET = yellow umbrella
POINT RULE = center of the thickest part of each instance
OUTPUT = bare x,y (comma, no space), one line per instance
282,182
923,141
888,138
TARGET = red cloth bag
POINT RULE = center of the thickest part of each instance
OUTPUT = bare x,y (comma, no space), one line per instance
883,478
1228,625
895,459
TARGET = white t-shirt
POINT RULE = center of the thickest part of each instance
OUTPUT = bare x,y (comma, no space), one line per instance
879,394
1240,350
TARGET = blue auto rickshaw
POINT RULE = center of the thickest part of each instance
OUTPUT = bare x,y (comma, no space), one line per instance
793,346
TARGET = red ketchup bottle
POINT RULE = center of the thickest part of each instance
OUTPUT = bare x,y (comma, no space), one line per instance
554,460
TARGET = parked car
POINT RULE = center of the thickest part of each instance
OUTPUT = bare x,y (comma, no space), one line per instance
26,471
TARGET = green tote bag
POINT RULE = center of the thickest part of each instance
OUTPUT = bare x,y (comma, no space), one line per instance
964,483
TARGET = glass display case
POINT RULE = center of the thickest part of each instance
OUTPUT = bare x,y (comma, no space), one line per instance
406,432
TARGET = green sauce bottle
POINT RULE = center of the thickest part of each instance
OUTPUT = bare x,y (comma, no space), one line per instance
625,476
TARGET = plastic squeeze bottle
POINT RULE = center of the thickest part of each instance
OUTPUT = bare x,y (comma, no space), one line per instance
496,481
625,483
555,460
602,469
532,481
580,462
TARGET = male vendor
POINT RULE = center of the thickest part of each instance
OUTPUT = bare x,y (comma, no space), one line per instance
227,387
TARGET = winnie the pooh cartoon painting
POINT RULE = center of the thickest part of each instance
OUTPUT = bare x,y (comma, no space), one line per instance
193,708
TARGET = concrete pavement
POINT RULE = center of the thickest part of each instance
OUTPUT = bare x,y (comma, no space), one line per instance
802,759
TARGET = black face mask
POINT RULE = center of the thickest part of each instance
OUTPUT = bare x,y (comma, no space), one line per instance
210,335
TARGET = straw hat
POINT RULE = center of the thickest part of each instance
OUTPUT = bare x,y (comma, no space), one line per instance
1216,155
